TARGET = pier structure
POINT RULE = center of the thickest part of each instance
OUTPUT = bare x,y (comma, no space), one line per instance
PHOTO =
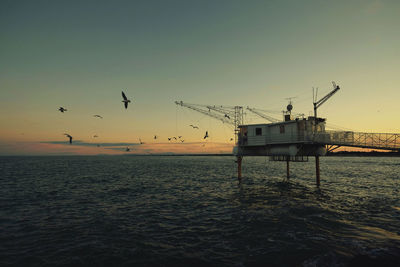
293,139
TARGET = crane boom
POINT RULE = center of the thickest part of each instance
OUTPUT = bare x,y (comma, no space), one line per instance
226,111
231,115
318,103
271,119
206,111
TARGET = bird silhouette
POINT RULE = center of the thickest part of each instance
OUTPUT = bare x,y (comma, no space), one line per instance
127,149
174,137
169,138
94,136
62,109
155,136
180,136
206,135
126,100
140,141
98,116
231,139
194,126
182,140
70,137
226,116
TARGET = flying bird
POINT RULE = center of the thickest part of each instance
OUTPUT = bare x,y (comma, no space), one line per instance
126,100
169,138
174,137
70,137
180,136
194,126
226,116
98,116
94,136
205,136
182,140
62,109
127,149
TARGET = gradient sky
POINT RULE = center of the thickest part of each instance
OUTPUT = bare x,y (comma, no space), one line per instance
81,54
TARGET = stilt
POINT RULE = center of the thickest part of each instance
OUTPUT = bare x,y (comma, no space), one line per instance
239,163
317,169
287,167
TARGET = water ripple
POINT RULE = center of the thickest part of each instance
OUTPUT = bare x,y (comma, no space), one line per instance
179,211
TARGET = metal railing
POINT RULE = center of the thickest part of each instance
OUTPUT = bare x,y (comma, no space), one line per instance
389,141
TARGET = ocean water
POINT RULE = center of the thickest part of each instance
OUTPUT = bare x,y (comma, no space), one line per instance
190,210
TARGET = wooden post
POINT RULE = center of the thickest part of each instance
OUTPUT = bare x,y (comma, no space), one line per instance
317,169
287,167
239,163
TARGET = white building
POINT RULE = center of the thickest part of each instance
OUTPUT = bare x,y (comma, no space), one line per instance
287,138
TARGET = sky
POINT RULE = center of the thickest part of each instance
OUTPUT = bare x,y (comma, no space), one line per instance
81,54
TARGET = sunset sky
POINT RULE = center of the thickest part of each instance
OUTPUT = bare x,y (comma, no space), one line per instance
81,54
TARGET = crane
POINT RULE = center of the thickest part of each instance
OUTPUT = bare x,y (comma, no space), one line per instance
318,103
205,110
226,114
262,115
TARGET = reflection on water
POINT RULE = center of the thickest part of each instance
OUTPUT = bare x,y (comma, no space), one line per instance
172,211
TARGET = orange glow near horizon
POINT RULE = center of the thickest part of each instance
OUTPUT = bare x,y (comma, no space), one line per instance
28,148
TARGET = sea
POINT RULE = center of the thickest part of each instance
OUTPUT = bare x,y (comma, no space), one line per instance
192,211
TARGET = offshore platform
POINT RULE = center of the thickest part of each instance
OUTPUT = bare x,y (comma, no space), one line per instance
293,139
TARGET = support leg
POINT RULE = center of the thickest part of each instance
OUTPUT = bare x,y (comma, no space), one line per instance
239,164
287,168
317,170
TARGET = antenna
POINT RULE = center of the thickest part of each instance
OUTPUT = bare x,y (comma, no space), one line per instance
314,94
289,107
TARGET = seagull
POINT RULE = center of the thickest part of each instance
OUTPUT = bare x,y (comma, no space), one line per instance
182,140
226,116
206,135
70,137
127,149
98,116
194,126
62,109
174,137
169,138
94,136
180,136
126,100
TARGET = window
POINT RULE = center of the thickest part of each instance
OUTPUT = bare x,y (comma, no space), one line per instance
282,129
258,131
